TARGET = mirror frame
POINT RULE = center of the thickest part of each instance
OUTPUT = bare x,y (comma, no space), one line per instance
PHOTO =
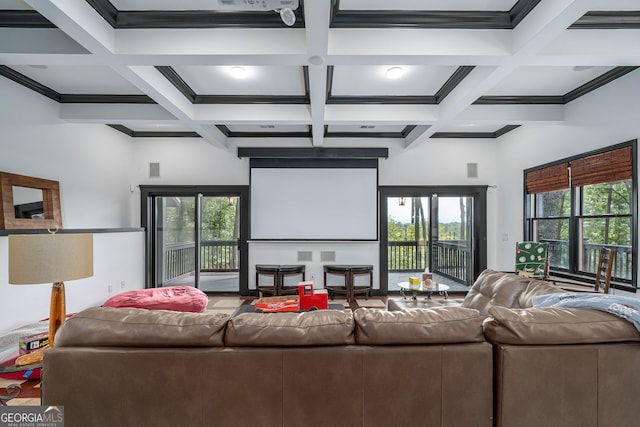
50,203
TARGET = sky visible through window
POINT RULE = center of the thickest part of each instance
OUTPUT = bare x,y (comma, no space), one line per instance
448,209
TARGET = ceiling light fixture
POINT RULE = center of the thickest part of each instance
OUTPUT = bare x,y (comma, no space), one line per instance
394,73
238,72
582,67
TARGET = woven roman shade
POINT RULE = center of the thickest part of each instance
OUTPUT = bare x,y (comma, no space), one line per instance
550,178
611,166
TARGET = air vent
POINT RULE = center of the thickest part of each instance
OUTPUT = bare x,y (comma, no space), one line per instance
267,127
367,127
154,170
472,170
305,256
327,256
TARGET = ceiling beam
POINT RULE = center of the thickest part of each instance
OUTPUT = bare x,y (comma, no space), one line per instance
317,19
81,22
541,26
110,113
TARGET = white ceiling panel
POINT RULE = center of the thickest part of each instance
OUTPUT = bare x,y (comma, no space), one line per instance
470,128
371,80
165,4
366,128
79,79
268,128
484,5
156,127
259,80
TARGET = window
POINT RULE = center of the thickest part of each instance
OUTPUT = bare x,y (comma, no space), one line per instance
581,204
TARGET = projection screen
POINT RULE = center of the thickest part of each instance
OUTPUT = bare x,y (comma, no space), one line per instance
314,203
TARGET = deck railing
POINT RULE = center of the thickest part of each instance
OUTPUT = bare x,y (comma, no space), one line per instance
179,259
451,258
408,256
622,265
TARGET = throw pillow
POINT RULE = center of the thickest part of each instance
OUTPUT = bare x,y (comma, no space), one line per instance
174,298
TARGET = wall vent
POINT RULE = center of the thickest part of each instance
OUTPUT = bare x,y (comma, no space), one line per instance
305,256
327,256
154,170
472,170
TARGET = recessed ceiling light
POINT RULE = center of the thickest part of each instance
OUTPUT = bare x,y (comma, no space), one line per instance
394,73
238,72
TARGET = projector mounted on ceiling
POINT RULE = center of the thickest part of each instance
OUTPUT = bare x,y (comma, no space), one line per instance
284,7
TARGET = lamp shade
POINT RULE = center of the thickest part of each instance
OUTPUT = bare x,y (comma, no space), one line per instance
49,258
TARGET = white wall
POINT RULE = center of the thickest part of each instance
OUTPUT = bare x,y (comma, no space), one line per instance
602,118
93,165
91,162
118,265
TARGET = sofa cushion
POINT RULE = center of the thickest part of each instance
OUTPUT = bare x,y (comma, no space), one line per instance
418,326
175,298
321,327
551,326
497,288
533,289
133,327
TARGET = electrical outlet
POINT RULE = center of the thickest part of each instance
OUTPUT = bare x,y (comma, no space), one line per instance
110,287
123,284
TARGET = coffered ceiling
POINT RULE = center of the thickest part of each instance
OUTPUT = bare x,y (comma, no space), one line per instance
469,68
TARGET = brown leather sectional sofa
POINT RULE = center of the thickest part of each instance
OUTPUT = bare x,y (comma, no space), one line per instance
492,360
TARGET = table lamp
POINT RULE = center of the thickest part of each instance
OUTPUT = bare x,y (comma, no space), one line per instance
50,258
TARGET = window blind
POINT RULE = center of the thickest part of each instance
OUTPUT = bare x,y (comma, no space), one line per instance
610,166
550,178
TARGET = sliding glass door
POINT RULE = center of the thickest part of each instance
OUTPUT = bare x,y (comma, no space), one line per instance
453,245
196,237
442,229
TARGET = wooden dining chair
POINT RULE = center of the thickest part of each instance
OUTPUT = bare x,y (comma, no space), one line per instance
602,283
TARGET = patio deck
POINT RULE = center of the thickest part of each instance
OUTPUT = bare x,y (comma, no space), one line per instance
228,282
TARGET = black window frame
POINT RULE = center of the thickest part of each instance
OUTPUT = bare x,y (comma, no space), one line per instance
531,216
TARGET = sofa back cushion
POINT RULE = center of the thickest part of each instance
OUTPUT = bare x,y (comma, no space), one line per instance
552,326
321,327
418,326
498,288
535,288
134,327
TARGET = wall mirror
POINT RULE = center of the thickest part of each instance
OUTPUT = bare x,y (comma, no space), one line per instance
29,203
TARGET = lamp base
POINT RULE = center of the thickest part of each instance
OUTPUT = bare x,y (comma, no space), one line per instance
56,318
58,310
32,358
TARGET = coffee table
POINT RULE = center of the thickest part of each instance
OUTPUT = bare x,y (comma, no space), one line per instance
439,288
